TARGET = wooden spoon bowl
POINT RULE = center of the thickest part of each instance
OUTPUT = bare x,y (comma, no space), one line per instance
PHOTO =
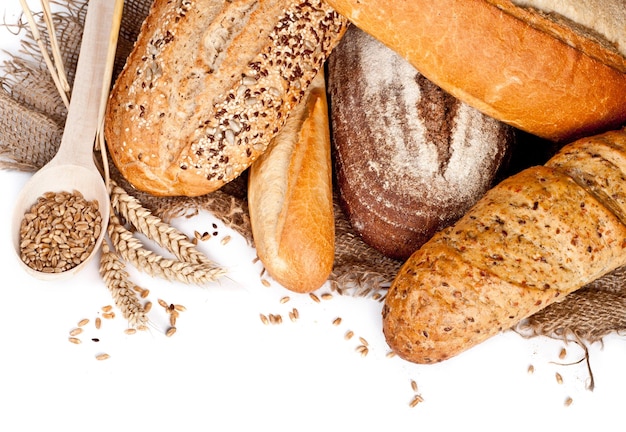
73,167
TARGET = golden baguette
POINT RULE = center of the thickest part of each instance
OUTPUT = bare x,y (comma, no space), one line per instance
290,197
531,240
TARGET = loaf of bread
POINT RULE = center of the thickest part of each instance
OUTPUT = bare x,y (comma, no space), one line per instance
208,84
554,68
410,159
290,198
531,240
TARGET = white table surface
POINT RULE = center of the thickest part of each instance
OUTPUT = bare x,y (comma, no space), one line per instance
224,370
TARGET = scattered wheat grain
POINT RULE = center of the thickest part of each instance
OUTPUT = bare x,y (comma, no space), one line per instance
170,331
327,296
83,322
98,323
75,340
348,335
315,298
568,401
102,356
264,319
559,378
337,321
76,331
284,300
417,399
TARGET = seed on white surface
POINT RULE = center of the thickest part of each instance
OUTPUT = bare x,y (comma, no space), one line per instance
559,378
76,331
147,307
264,319
363,350
563,353
226,240
337,321
102,356
315,298
284,300
568,401
265,282
348,335
170,331
107,308
74,340
327,296
363,341
417,399
83,322
531,369
390,354
130,331
414,385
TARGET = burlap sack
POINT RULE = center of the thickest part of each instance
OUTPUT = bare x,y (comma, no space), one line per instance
31,122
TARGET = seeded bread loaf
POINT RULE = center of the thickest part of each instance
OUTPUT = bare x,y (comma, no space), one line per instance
531,240
410,159
290,198
208,84
554,68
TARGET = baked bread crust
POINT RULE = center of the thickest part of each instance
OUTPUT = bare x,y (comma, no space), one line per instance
290,198
531,240
209,84
410,159
516,65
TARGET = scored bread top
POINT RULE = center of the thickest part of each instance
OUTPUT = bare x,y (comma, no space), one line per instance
208,84
595,27
524,68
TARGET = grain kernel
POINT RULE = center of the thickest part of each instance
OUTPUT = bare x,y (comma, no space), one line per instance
102,356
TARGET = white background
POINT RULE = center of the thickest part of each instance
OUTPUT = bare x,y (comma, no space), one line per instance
225,370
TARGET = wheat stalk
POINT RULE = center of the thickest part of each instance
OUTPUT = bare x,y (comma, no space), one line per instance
155,228
133,251
123,290
56,72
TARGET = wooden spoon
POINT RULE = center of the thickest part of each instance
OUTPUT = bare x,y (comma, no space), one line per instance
73,167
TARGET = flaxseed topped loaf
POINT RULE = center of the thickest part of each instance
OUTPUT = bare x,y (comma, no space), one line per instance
531,240
209,84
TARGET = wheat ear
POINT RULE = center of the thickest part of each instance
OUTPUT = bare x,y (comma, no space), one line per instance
154,228
132,250
123,291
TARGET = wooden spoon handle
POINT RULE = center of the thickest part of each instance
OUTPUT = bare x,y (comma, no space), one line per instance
93,77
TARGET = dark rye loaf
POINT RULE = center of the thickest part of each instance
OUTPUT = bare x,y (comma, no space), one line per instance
410,159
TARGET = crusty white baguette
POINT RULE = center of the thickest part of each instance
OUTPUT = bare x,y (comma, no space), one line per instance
208,84
542,71
531,240
290,197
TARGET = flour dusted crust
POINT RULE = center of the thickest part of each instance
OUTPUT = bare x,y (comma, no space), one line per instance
531,240
537,70
207,86
410,158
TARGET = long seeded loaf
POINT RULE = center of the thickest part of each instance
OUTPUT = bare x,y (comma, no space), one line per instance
208,84
531,240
